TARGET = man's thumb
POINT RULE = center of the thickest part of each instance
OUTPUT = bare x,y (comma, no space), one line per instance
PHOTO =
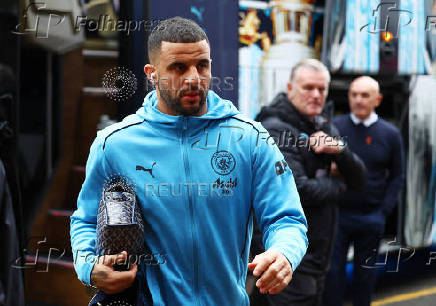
110,260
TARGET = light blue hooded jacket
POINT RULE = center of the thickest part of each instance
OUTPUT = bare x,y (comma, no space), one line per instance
209,174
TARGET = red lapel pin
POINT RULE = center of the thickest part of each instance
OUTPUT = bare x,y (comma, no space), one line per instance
368,139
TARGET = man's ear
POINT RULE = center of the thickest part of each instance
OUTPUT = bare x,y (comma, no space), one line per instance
150,72
289,88
379,100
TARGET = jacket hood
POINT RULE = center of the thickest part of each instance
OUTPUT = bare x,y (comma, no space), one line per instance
217,108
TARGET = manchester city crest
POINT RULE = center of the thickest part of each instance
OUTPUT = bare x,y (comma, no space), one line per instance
223,162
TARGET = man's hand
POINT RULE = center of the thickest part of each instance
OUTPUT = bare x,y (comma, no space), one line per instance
275,269
334,171
320,142
105,278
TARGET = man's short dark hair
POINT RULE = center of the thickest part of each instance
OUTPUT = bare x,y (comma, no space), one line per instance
174,30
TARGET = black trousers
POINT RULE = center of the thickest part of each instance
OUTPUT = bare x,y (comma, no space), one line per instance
307,284
366,240
304,290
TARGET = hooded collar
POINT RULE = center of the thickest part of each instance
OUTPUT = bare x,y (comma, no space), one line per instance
217,108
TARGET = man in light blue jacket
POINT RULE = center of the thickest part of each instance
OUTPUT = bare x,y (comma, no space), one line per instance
209,172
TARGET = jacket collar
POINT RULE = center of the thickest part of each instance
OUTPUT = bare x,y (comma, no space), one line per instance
171,126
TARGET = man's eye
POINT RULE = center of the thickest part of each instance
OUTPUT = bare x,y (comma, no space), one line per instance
180,68
203,65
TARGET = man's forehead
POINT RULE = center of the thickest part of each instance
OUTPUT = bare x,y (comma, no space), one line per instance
311,75
364,84
185,51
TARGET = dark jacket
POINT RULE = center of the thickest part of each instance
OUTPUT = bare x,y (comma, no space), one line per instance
11,277
319,192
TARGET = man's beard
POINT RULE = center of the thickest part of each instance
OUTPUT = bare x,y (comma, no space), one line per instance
175,103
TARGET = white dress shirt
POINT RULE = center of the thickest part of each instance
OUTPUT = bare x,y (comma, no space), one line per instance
371,119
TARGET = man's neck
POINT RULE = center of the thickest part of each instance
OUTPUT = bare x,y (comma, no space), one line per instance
362,118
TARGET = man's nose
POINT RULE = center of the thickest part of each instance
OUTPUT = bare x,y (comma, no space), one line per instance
316,93
192,77
358,100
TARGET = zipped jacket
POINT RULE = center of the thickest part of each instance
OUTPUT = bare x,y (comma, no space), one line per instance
199,181
319,191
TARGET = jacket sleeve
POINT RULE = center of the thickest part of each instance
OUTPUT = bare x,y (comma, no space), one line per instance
276,201
315,191
350,166
395,179
84,219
